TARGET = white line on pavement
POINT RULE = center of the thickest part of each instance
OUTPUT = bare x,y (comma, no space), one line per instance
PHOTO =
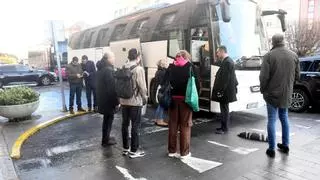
200,165
302,126
258,130
219,144
318,121
69,147
239,150
127,175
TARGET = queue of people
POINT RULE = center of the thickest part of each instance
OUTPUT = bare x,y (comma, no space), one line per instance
126,88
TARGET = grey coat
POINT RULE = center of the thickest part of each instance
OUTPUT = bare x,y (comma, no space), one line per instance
279,70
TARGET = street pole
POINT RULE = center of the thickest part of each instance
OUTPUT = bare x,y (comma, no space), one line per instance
58,56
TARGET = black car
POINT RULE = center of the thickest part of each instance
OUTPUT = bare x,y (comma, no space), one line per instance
306,91
18,73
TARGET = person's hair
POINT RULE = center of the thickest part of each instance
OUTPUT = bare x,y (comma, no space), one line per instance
185,54
277,39
133,54
162,63
75,58
84,57
223,48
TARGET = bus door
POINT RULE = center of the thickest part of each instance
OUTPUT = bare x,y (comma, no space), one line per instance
201,57
121,48
98,54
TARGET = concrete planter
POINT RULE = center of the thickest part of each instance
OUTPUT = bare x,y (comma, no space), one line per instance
19,111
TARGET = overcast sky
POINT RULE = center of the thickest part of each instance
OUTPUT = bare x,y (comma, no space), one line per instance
23,21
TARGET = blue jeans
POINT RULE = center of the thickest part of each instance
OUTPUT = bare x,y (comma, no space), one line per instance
75,89
283,116
159,113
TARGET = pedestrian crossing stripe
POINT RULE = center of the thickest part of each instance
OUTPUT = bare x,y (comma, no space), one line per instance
200,165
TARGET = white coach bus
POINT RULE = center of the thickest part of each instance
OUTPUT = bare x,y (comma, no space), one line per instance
198,26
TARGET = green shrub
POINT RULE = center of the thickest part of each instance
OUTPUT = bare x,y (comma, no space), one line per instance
18,95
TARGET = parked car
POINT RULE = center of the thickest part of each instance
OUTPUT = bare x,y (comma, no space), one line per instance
63,73
306,91
18,73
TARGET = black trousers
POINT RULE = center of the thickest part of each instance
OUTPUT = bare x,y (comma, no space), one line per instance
91,90
225,116
106,127
132,113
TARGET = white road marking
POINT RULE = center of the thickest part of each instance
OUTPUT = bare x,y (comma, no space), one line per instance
239,150
69,147
219,144
200,165
302,126
318,121
153,129
244,151
127,175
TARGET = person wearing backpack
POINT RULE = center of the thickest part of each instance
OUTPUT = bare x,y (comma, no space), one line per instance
107,97
180,113
133,95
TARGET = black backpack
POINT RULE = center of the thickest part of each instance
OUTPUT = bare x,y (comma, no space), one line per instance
124,82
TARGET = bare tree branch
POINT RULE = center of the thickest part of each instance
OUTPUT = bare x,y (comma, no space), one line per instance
304,38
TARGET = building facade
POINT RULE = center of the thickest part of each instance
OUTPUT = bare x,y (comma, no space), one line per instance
309,11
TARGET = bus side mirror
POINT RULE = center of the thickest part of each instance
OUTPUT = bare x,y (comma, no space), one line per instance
283,22
225,10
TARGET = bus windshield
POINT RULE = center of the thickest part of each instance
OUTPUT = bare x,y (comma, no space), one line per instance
244,35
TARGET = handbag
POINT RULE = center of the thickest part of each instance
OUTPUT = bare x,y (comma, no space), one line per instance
192,97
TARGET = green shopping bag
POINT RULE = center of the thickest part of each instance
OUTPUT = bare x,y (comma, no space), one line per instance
192,98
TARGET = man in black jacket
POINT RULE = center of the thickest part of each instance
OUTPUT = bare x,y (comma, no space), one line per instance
225,87
89,71
107,97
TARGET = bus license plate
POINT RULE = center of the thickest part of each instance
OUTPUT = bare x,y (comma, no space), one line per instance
252,105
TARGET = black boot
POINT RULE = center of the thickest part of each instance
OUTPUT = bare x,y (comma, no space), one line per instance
283,148
71,110
271,153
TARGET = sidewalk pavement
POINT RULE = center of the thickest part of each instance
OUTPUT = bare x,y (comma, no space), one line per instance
50,107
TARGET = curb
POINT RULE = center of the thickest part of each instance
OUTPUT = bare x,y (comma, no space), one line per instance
15,152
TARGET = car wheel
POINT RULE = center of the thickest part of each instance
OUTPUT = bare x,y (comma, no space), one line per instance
45,80
300,101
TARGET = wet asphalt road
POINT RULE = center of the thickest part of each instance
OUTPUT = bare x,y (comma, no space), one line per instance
71,149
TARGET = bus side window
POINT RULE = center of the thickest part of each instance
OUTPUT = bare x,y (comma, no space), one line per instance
175,43
101,41
138,28
87,40
118,32
79,45
160,32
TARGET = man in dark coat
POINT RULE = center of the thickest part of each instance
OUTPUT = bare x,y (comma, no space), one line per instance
89,72
225,87
279,70
107,97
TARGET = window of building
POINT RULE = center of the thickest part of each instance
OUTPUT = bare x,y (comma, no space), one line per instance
138,27
118,32
101,39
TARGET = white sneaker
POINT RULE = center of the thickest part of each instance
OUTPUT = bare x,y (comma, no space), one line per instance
138,153
125,152
174,155
185,156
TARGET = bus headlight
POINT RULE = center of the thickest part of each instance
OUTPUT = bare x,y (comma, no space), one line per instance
255,89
